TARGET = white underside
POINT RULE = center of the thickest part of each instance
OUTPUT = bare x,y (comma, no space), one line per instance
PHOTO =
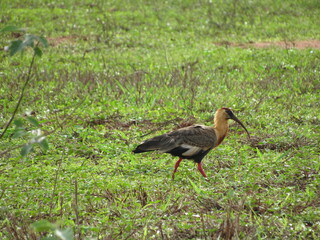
192,150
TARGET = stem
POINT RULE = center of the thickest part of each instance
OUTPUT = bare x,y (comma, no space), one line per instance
55,184
48,133
21,95
76,209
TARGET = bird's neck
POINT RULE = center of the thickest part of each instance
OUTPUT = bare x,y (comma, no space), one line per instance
221,129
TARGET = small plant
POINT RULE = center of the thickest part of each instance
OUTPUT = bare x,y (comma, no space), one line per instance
52,231
36,136
19,45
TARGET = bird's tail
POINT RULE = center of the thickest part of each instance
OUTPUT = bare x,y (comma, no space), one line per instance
139,150
161,143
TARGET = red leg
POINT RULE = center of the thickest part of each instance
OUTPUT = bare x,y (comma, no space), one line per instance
176,167
201,170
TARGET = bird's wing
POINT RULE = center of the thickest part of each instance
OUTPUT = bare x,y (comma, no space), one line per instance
162,143
191,140
194,139
196,135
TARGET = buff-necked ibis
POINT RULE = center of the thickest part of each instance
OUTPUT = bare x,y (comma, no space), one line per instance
193,142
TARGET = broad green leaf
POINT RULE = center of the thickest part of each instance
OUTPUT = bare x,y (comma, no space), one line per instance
18,123
19,133
44,145
15,47
33,121
29,40
43,226
18,45
11,29
26,149
37,51
66,234
43,41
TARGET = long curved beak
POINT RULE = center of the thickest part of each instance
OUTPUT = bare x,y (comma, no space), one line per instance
238,121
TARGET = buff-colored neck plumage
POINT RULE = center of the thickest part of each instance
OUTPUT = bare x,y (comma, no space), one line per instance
221,125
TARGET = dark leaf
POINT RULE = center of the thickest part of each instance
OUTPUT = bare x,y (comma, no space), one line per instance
43,226
11,29
15,47
33,121
18,123
19,133
26,149
37,51
29,40
43,41
44,145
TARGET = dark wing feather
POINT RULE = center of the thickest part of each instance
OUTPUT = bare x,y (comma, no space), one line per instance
163,142
198,136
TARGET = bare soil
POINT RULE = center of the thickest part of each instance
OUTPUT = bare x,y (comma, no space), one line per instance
54,41
303,44
282,44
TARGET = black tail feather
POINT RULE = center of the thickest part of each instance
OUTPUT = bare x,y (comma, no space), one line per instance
162,143
137,150
140,150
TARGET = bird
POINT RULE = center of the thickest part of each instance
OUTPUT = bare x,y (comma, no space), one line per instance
193,142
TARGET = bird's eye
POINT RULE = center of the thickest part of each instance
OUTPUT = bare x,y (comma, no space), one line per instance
229,112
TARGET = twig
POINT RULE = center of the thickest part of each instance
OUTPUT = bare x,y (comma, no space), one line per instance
55,183
2,193
21,95
11,149
76,210
46,134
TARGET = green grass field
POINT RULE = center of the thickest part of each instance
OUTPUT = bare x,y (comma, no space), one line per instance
119,72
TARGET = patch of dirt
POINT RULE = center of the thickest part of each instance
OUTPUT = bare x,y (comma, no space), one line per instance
263,143
299,44
303,44
55,41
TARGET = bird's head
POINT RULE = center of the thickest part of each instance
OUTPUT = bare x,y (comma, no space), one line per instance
226,114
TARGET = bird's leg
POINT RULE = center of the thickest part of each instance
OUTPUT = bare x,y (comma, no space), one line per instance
201,170
176,167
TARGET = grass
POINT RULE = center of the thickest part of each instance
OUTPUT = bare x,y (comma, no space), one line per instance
119,72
